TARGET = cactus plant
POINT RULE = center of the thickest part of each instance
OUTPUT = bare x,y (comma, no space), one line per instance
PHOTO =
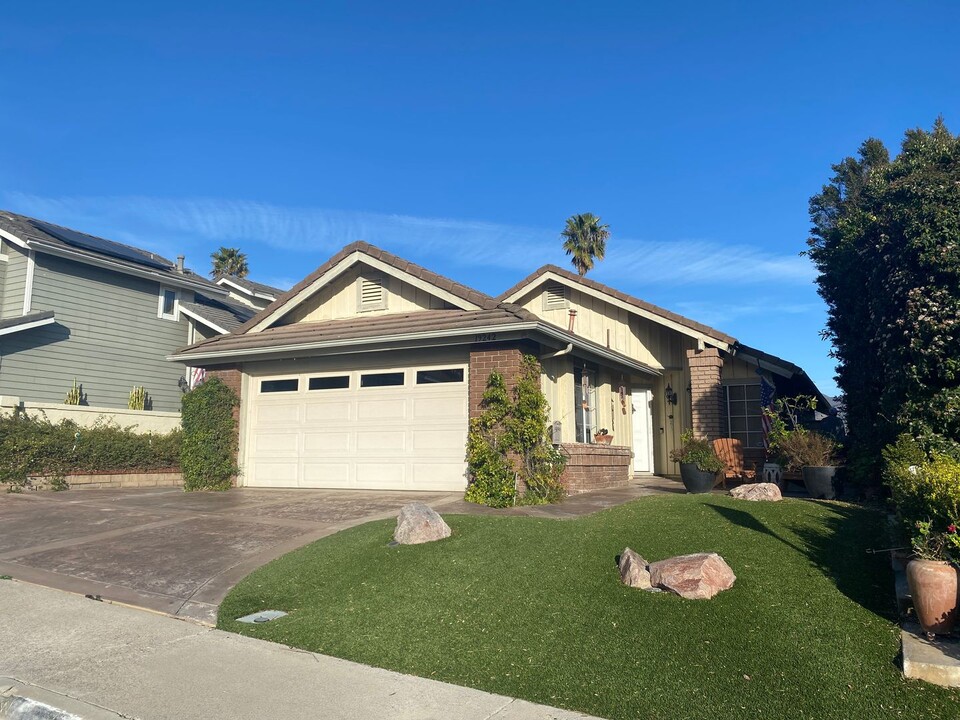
74,394
138,398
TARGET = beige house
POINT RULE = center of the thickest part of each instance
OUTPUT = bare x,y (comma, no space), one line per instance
365,375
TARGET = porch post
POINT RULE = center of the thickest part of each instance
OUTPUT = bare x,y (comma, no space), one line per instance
706,392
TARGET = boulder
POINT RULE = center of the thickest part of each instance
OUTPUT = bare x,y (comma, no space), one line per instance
418,523
757,492
633,570
695,577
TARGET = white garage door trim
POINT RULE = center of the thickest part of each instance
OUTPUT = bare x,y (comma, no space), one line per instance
386,436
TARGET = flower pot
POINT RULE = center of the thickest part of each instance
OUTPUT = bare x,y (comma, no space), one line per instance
696,480
933,587
603,439
819,481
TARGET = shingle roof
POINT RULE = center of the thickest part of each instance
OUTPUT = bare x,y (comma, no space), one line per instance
26,319
623,297
251,285
23,228
222,313
463,292
428,321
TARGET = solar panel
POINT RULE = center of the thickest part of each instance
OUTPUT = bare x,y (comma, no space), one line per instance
99,245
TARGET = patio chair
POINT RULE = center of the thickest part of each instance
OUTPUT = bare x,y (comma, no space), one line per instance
730,452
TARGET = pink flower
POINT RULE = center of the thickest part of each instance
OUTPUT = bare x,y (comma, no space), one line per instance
951,528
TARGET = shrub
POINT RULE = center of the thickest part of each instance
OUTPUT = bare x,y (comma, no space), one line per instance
208,458
698,451
32,446
805,448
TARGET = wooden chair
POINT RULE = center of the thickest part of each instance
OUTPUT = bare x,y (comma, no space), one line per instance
730,452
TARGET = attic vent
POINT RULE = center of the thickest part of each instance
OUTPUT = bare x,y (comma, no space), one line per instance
555,297
373,294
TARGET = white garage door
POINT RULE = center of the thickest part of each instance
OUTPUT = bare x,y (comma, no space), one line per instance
396,429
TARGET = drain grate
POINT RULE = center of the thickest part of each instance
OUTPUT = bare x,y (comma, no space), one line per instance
262,617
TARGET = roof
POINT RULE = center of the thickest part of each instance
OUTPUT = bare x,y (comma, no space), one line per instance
367,330
623,297
25,322
117,255
250,286
221,315
474,297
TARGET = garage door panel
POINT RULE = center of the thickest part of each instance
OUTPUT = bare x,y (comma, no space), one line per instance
326,442
381,441
277,414
325,411
275,474
442,441
272,443
438,476
439,407
326,475
382,409
381,476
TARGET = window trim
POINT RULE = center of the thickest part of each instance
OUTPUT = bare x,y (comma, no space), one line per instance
261,380
318,376
589,413
461,381
747,433
176,304
361,373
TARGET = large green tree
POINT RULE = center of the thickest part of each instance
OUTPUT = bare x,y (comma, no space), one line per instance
585,239
886,243
229,261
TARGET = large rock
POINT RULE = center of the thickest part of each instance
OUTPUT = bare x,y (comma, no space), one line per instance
757,492
633,570
418,523
695,577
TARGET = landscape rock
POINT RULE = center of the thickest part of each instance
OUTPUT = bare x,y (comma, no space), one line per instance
695,577
418,523
633,570
757,492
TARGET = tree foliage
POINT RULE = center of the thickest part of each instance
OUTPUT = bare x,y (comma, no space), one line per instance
229,261
886,243
208,458
585,239
508,456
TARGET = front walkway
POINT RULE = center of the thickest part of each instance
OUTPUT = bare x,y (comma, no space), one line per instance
133,664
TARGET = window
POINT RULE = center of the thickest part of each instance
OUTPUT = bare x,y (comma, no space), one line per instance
744,415
555,297
427,377
372,294
585,402
274,386
381,379
168,308
333,382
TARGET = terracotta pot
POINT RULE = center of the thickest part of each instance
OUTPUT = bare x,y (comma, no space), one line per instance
696,480
603,439
933,587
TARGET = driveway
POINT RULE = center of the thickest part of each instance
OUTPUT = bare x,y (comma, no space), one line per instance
174,552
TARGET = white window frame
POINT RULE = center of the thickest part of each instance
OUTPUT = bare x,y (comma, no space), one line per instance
448,366
176,304
352,380
267,378
743,435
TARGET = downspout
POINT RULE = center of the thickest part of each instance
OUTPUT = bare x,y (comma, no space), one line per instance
568,349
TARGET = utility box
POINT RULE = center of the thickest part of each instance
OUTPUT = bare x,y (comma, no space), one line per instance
556,432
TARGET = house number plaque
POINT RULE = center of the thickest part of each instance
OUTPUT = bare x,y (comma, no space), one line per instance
485,337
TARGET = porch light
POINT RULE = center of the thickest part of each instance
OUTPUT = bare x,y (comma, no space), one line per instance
670,395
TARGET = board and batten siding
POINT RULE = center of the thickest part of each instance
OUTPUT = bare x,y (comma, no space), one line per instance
339,299
107,335
14,282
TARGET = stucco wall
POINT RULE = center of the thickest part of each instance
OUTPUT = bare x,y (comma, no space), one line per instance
142,421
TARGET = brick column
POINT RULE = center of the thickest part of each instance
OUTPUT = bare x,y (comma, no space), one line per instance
706,392
502,357
232,377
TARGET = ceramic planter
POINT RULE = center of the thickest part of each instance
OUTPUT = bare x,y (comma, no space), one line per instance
933,587
603,439
819,481
696,480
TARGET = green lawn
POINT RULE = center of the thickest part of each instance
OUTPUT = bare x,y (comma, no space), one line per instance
533,608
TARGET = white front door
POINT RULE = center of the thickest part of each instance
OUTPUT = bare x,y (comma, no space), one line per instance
642,430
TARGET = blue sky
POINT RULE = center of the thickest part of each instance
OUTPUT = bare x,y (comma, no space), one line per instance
461,135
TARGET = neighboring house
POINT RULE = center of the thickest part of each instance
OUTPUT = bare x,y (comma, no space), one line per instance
77,306
366,373
252,294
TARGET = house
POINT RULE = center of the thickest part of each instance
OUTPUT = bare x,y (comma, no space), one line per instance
366,373
249,293
73,305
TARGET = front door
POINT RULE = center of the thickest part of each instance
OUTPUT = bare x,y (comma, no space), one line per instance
642,430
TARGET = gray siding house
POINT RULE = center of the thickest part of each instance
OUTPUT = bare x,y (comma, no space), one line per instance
77,306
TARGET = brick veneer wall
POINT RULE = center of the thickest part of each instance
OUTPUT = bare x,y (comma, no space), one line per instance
594,467
232,377
502,357
706,392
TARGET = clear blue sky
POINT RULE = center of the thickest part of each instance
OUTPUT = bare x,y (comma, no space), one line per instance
461,135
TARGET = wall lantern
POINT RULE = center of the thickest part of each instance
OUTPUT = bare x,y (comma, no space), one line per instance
670,395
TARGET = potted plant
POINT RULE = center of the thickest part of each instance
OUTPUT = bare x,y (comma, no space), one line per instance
602,437
814,455
699,464
932,577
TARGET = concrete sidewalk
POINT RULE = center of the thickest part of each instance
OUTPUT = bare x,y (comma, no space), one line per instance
142,665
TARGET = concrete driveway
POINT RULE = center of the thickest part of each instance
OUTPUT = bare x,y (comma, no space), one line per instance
170,551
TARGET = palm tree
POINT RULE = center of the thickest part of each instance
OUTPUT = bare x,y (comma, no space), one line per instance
585,239
229,261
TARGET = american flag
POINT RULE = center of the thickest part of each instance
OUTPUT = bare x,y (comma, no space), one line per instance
197,376
767,391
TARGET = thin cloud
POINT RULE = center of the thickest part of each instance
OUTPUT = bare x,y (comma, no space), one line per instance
167,225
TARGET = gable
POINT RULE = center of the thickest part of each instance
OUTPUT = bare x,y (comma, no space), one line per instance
360,291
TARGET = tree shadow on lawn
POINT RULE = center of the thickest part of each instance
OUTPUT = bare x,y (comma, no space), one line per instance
837,545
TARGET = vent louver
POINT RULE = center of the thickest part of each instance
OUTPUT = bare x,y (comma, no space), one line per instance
555,296
373,295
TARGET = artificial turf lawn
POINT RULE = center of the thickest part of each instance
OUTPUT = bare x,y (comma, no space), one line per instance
533,608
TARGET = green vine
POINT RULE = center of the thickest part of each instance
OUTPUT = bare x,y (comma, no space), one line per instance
208,459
